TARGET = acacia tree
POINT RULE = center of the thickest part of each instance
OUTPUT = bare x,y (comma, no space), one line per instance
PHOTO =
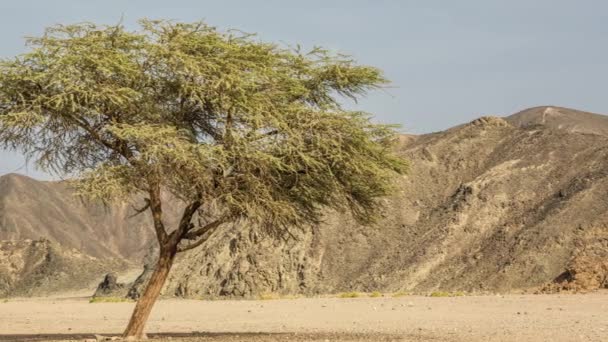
235,128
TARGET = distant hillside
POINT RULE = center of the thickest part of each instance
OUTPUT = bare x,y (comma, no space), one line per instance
498,204
42,267
30,209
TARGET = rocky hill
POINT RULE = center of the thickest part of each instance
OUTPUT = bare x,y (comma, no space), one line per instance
498,204
41,267
493,205
30,209
565,119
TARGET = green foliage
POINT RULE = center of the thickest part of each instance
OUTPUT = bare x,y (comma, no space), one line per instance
249,129
375,294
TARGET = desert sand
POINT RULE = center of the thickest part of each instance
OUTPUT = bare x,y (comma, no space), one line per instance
558,317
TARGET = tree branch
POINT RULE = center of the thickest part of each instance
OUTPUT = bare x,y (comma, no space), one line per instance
191,235
118,145
84,125
182,249
204,233
185,222
142,209
157,213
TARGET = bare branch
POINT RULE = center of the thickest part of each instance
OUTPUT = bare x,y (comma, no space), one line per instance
182,249
204,233
185,223
202,230
142,209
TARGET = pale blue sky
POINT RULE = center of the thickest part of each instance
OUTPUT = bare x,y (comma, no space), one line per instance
450,61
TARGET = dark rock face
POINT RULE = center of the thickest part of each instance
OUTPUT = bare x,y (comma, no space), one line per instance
138,286
109,287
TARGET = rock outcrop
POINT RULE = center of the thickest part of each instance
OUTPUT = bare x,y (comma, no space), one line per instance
41,267
110,287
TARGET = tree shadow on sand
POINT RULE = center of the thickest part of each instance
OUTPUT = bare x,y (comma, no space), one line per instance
209,336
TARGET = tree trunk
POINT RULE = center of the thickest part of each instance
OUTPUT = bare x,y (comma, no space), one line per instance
135,328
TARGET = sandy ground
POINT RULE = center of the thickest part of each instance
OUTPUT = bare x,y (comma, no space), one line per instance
410,318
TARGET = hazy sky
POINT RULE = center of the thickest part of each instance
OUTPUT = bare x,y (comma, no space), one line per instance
449,61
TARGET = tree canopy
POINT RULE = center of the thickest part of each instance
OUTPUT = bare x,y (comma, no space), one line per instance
248,126
234,127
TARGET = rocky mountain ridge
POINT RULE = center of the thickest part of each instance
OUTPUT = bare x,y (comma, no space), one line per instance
495,205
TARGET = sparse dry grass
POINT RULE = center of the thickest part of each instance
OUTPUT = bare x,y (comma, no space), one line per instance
446,294
292,297
349,295
375,294
269,296
109,300
401,294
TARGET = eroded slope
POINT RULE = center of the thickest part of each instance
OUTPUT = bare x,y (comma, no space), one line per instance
487,206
